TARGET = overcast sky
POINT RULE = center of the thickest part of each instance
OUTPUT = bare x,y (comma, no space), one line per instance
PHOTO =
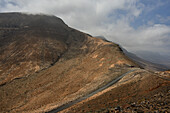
135,24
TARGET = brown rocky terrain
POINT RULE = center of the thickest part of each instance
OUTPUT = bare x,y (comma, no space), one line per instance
68,63
45,64
28,44
139,92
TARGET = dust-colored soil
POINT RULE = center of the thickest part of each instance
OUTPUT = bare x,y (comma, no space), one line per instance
140,91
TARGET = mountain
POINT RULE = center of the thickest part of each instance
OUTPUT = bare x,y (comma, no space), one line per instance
45,64
144,63
155,57
62,58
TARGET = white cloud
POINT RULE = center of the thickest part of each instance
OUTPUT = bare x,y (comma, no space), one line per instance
145,38
109,18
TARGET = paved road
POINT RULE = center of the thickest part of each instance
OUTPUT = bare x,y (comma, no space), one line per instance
67,105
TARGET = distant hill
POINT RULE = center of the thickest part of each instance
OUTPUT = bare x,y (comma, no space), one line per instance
155,57
145,64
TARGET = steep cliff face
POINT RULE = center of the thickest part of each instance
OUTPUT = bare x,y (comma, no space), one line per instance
44,63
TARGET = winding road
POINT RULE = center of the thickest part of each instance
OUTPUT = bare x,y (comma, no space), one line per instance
67,105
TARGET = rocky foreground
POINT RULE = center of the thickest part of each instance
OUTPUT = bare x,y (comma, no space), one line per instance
159,103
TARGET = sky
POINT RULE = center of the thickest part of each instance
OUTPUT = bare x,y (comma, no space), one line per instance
137,25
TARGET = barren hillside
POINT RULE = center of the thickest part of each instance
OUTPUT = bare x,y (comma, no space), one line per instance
45,64
68,63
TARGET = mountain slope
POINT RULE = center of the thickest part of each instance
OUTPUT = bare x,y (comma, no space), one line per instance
28,43
146,64
45,64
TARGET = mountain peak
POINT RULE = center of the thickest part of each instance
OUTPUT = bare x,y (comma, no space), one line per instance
20,20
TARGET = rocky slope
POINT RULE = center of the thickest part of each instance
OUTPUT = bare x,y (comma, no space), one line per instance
140,91
45,64
67,62
28,44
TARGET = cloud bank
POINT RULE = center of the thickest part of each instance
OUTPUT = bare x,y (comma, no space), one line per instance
120,21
